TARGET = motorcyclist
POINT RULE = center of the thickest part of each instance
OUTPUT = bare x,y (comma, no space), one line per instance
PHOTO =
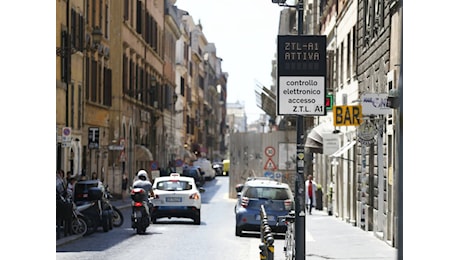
144,183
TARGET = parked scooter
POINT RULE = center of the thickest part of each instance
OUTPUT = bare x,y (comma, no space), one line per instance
95,212
117,216
79,222
140,218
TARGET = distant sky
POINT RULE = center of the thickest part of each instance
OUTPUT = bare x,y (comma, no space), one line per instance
245,35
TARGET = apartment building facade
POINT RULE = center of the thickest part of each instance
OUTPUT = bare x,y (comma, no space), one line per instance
359,180
124,100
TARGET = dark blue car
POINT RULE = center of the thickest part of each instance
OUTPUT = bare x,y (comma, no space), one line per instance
276,197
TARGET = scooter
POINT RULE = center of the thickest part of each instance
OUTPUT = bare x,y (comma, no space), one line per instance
140,218
79,222
96,214
117,216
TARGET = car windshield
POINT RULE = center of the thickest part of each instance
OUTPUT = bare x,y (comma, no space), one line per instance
267,193
174,185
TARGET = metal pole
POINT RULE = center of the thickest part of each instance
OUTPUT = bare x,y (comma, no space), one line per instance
300,179
399,144
113,171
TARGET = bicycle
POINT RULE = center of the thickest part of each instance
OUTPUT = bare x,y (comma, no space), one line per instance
289,238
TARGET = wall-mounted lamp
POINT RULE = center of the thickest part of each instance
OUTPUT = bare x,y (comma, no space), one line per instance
97,36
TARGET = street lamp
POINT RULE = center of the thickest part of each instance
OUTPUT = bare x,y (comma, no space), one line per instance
97,35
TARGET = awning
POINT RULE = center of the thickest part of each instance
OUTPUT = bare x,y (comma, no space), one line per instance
314,139
343,149
143,153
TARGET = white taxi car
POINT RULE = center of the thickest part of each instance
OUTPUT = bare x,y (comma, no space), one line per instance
176,196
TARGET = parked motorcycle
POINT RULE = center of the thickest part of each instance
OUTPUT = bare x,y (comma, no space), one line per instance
117,216
140,218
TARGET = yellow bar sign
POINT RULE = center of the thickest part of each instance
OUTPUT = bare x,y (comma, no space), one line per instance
347,115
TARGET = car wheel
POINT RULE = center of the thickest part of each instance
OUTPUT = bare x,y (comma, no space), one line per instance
197,219
238,231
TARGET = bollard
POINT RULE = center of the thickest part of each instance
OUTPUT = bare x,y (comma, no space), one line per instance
270,240
263,251
267,249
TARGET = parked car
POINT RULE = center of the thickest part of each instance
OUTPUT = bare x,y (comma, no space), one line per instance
194,172
226,166
276,197
205,165
176,196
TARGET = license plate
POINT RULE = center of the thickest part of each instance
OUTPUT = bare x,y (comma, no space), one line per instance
173,199
271,218
137,214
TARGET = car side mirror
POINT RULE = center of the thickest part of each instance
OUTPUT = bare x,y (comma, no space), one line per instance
201,190
239,187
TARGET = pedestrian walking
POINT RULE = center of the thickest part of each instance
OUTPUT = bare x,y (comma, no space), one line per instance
94,176
124,186
310,200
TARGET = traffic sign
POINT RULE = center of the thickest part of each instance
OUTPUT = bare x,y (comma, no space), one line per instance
269,174
269,151
154,166
278,175
302,70
66,135
270,165
113,147
93,137
179,163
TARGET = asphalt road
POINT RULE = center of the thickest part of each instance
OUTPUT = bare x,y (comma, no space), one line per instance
175,238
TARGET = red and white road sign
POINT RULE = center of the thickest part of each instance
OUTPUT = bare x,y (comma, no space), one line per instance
269,151
270,165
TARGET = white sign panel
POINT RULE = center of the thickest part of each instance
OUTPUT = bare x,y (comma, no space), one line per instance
300,95
375,104
330,143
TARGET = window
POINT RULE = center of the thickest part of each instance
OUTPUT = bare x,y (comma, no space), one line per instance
126,11
72,105
341,64
173,185
125,79
354,51
349,49
107,87
106,21
270,193
80,107
93,86
87,78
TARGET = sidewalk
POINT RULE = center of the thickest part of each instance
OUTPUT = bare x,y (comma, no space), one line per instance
117,203
328,237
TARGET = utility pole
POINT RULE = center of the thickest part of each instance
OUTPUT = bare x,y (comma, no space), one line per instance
292,68
300,178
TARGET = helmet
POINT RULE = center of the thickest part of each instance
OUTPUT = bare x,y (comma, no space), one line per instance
142,174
